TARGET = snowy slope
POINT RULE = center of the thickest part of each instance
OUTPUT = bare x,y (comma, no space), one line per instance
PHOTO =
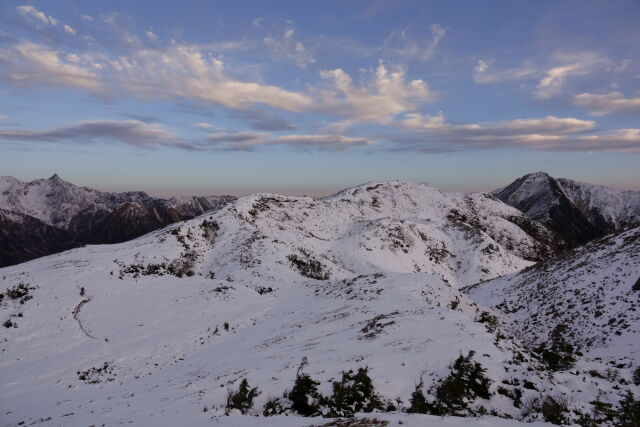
590,291
158,328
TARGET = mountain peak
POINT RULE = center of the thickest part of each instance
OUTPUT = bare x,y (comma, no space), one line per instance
543,199
538,174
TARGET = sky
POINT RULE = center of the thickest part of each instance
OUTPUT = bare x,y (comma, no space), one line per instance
207,97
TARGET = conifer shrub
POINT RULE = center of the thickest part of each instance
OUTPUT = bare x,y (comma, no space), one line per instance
275,406
490,321
465,383
419,404
552,408
636,376
559,355
353,393
307,266
242,399
304,396
628,411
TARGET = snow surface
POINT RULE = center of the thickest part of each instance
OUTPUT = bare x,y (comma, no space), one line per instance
392,257
589,290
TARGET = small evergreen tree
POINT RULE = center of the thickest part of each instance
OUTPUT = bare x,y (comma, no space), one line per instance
636,376
419,403
354,393
465,383
242,399
559,355
273,407
629,411
304,396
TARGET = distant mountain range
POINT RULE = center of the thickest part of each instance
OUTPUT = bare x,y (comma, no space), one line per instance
45,216
578,212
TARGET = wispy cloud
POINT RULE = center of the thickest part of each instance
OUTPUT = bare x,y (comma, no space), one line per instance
437,134
249,141
483,74
184,71
261,120
133,132
69,30
551,79
401,44
572,65
31,12
285,46
144,134
603,104
151,35
29,63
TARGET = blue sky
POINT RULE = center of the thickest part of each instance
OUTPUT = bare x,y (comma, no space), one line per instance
310,97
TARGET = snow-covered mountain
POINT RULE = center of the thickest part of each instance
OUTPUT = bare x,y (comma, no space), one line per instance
154,331
577,211
607,208
592,293
92,216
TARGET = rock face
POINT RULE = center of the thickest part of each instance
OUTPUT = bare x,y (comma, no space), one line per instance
84,215
370,276
23,238
578,212
607,208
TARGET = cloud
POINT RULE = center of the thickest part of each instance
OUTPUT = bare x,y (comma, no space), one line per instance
29,11
286,47
133,132
202,125
28,63
551,80
176,72
257,23
400,44
187,72
572,65
603,104
69,30
142,118
378,101
87,17
519,128
483,75
261,120
151,35
437,134
249,141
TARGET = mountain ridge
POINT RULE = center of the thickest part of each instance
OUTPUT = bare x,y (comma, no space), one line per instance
89,216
